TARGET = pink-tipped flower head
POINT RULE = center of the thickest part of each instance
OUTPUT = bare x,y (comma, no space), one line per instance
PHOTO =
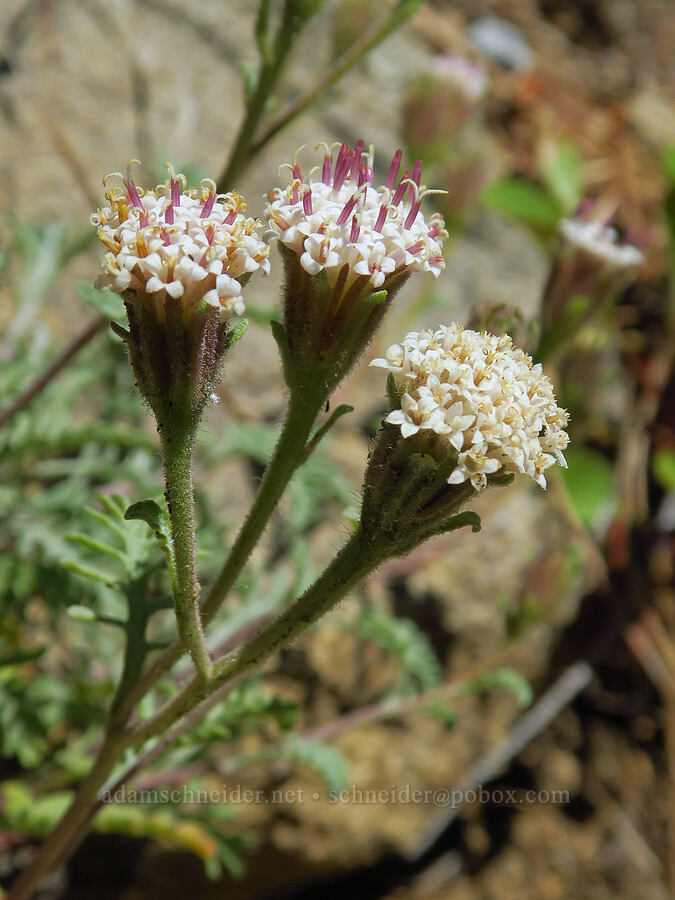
602,241
334,216
592,264
178,242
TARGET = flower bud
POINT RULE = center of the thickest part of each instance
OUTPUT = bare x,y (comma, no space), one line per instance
439,103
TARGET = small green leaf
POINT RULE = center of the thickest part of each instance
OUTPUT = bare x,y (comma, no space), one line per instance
150,512
328,763
506,678
119,331
463,519
407,643
92,574
561,171
663,467
81,613
95,546
590,483
394,393
104,301
321,432
22,656
235,334
439,711
513,681
522,200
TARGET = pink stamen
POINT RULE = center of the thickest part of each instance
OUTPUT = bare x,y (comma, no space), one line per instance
295,196
133,195
585,208
339,176
347,210
327,166
230,217
297,174
363,174
356,228
416,247
175,192
356,160
393,169
417,172
401,189
166,237
210,233
341,173
208,205
168,215
381,218
307,202
412,215
435,260
143,219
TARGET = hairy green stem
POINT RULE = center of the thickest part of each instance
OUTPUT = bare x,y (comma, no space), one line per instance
268,75
61,841
290,452
356,560
371,38
177,457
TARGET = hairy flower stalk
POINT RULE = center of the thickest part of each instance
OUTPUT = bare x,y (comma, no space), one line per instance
179,259
591,268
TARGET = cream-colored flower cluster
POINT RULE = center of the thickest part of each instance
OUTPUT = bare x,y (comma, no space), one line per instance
193,244
485,397
341,219
601,241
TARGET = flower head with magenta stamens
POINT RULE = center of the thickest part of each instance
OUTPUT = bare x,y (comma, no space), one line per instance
179,258
342,224
482,398
347,248
183,243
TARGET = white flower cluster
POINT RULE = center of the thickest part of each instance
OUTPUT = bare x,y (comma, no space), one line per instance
342,220
601,241
192,244
482,395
